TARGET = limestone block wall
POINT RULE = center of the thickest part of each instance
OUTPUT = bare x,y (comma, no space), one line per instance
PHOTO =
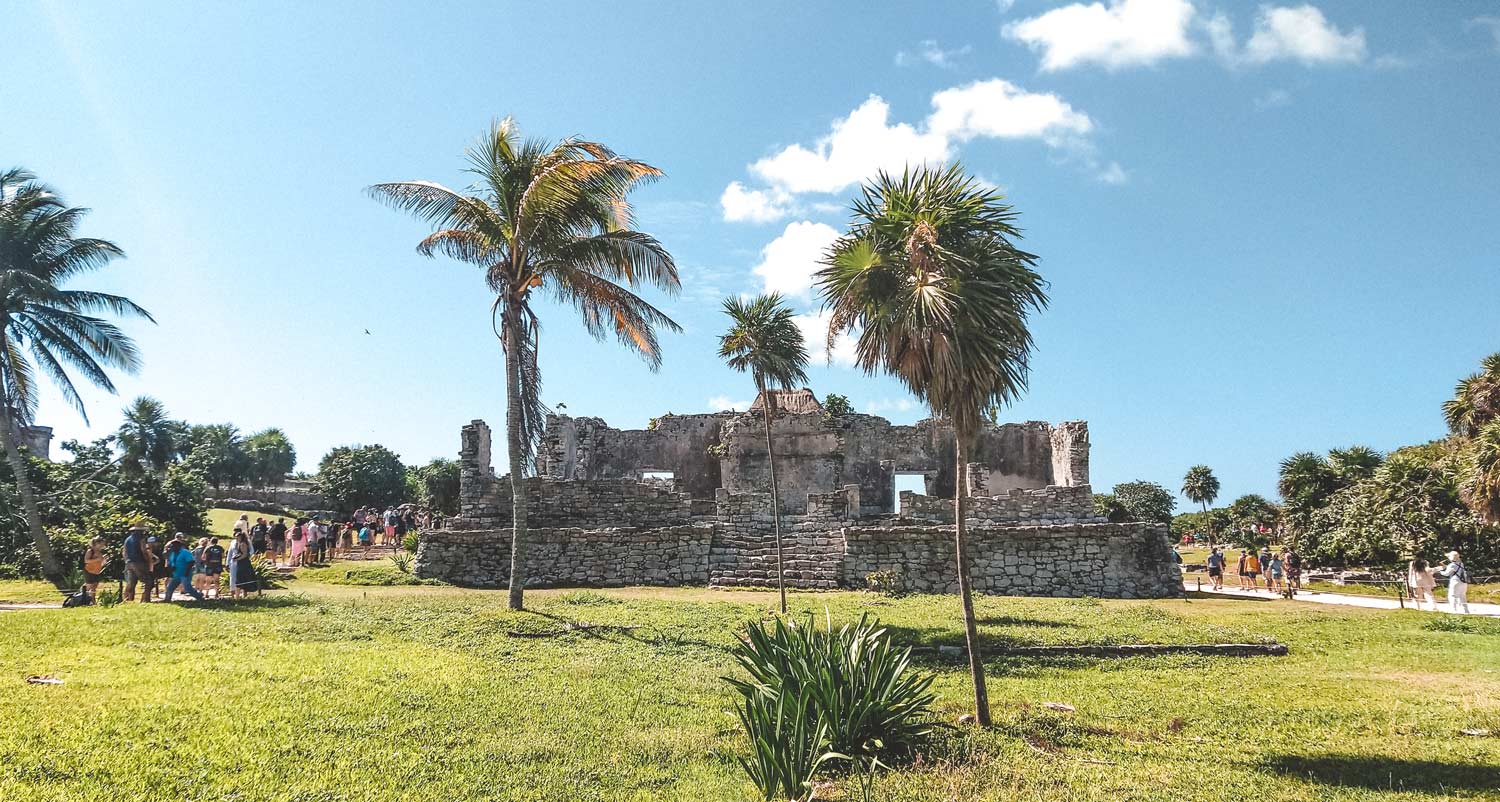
1047,505
587,505
1128,561
571,557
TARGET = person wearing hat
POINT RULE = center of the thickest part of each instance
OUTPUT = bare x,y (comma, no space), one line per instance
137,563
1458,583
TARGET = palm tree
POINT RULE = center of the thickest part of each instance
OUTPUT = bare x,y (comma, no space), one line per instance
1476,399
1354,464
553,217
45,328
1305,480
148,438
929,281
1202,487
763,338
1479,482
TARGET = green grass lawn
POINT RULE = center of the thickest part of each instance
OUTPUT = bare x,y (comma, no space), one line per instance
221,520
336,693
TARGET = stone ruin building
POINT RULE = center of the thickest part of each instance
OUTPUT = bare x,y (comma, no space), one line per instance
686,502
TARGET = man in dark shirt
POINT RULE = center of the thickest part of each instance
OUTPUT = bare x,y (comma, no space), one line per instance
278,538
137,570
213,565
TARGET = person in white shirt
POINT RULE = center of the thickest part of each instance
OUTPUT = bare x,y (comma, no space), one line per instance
1458,583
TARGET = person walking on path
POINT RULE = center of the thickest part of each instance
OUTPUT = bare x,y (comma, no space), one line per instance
259,535
180,560
1293,562
278,540
137,564
1274,568
94,559
1419,578
1458,583
1216,568
242,577
1264,559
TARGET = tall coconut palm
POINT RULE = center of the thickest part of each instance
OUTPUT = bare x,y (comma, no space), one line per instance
1476,399
551,217
1201,487
1479,478
148,438
929,281
763,339
46,328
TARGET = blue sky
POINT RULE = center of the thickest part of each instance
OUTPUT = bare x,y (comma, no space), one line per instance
1267,228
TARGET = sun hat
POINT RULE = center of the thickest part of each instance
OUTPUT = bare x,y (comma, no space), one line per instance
1452,555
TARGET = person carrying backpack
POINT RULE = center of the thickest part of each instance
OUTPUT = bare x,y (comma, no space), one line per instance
1458,583
180,561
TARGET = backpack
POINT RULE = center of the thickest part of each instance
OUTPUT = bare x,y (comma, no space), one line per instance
297,533
79,599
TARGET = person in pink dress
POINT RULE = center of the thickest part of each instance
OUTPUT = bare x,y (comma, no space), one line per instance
298,542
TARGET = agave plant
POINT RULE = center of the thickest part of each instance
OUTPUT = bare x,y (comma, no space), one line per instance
816,695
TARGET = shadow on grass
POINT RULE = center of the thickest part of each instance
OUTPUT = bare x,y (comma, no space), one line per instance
1205,595
1387,774
250,605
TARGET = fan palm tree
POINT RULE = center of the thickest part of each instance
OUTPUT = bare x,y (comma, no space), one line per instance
1479,483
47,329
1305,480
763,339
931,285
551,217
148,438
1476,399
1354,464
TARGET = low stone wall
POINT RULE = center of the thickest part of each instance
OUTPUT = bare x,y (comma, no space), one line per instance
672,555
1121,561
592,504
281,498
1046,505
1105,560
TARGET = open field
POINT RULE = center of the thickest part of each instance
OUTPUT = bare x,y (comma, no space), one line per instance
221,520
337,693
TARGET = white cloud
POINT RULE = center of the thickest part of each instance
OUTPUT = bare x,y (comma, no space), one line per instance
814,328
788,262
1302,34
1273,98
866,142
1129,33
1112,173
753,205
1492,24
929,51
723,403
1124,33
878,405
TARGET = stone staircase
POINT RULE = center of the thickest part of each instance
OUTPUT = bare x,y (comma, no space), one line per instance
748,559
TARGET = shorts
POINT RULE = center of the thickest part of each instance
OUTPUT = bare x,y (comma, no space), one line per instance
1275,574
1215,573
90,578
390,531
258,545
213,569
1252,574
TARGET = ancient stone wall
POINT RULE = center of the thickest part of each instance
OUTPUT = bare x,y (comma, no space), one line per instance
671,555
1107,560
738,550
588,448
267,498
587,504
1047,505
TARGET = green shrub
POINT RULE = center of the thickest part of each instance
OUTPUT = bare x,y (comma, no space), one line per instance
815,695
410,542
108,597
403,561
586,598
886,583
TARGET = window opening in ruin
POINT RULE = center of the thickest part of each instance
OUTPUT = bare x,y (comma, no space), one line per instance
657,475
916,482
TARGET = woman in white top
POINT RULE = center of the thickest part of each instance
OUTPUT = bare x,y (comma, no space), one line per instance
1458,583
1419,579
242,526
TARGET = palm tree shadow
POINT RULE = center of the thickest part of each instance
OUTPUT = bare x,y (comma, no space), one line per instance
1387,774
1016,621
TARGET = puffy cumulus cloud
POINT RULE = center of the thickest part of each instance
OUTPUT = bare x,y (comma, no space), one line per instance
1302,34
858,146
1130,33
1124,33
866,141
788,262
723,403
814,328
741,204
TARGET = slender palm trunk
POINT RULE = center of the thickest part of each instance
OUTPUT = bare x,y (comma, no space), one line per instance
515,449
775,500
965,592
1207,524
50,567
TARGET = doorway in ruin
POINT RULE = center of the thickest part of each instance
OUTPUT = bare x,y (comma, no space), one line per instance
915,481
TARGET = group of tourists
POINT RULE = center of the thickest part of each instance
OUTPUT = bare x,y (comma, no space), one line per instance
306,541
1282,570
197,568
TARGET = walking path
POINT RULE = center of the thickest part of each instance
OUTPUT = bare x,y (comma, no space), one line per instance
1345,599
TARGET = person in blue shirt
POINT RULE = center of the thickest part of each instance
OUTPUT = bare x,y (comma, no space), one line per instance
180,560
1216,568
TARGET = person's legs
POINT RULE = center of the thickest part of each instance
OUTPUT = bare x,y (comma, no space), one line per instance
130,580
1461,597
